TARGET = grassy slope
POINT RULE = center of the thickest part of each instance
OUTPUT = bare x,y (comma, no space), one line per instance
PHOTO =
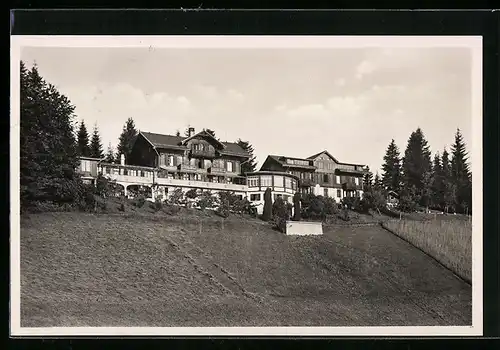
113,270
447,238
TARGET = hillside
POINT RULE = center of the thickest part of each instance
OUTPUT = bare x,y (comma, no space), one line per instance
157,270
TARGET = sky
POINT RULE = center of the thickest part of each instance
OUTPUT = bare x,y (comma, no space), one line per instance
294,102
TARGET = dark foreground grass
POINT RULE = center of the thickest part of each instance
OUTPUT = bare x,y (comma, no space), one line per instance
118,270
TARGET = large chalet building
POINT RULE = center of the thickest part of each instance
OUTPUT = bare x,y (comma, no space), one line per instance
163,163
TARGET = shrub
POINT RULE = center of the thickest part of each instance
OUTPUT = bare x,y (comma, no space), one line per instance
223,209
313,207
157,204
176,197
206,200
192,193
139,201
121,207
170,209
296,207
268,209
280,214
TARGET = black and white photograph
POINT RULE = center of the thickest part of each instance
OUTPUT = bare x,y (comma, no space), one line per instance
214,185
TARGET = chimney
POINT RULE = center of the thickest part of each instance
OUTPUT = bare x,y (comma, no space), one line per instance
122,159
191,131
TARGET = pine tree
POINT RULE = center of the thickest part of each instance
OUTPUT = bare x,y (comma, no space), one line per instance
95,144
110,154
250,165
417,167
391,177
437,184
177,133
448,187
83,147
367,179
377,183
127,139
48,158
460,175
211,132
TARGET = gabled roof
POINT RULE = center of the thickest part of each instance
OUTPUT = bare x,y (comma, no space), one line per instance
332,157
282,160
325,152
172,141
203,133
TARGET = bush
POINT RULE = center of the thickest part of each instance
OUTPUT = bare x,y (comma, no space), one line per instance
121,207
192,193
206,200
176,197
139,201
170,209
313,207
157,204
280,214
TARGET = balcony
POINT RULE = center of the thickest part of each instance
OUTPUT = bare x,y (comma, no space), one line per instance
306,183
188,168
349,170
350,186
217,171
202,185
202,153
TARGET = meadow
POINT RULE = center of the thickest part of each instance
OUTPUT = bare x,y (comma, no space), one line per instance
197,269
447,238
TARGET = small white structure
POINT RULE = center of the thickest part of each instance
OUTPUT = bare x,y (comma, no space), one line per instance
304,228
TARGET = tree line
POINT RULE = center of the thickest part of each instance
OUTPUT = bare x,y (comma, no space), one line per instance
442,182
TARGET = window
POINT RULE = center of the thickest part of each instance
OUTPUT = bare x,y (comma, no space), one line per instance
278,181
325,178
229,166
266,181
255,197
253,181
288,182
356,181
239,196
294,185
171,160
179,159
108,170
142,173
125,172
339,193
325,192
337,179
85,165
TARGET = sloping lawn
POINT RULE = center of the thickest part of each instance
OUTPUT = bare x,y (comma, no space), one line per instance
448,239
159,270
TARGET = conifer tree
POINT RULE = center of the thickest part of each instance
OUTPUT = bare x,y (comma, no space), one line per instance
83,147
448,187
367,179
437,185
177,133
211,132
460,175
417,168
48,158
391,178
110,154
268,205
127,139
250,165
95,144
377,183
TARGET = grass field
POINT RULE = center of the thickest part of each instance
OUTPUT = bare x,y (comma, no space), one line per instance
200,270
447,238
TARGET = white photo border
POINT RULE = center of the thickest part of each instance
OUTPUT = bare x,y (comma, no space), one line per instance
474,43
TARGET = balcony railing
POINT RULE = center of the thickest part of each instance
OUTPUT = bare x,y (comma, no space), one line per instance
306,182
217,171
203,153
349,170
187,167
350,186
